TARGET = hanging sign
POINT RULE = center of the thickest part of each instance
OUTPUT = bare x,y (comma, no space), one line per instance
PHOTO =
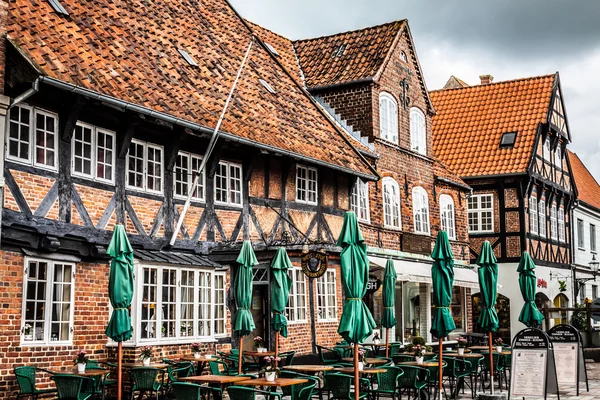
373,284
314,264
568,353
532,365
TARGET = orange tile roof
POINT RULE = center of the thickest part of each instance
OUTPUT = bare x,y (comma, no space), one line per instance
131,53
365,51
588,189
470,122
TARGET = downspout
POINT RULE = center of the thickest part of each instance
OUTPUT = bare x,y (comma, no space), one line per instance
35,87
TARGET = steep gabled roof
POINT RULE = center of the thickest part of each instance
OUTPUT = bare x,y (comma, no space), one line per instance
346,57
587,186
470,122
130,51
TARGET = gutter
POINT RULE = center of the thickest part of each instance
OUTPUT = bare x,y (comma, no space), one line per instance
456,184
125,105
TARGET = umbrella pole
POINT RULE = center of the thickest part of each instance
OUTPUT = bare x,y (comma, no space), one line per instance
441,370
387,342
119,370
491,362
356,379
240,357
276,346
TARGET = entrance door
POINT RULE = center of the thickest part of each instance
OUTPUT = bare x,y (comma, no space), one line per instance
259,307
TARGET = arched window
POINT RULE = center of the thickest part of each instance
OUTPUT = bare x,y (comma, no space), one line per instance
391,203
418,136
388,117
447,215
421,210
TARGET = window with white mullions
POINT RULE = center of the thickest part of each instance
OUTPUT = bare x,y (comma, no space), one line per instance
219,304
388,117
296,309
187,302
167,315
204,304
228,184
580,235
306,185
481,213
391,203
48,302
558,157
533,215
19,132
144,167
186,168
547,150
447,218
46,126
553,223
93,152
421,210
105,154
592,238
360,200
542,218
561,224
326,297
418,135
149,304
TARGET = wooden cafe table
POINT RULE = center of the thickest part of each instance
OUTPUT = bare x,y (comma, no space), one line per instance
200,362
221,380
88,372
310,369
350,370
278,382
140,365
368,361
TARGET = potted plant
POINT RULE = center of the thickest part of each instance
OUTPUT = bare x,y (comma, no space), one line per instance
376,339
28,331
462,345
146,355
196,350
499,343
419,353
81,360
271,370
259,344
361,359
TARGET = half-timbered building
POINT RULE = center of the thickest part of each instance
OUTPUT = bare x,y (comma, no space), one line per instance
107,115
508,141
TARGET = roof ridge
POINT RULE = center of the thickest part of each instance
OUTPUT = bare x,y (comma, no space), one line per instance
494,83
350,31
266,29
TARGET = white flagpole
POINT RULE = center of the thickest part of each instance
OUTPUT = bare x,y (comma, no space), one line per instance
210,148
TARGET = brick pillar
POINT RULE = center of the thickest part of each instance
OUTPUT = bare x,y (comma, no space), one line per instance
425,310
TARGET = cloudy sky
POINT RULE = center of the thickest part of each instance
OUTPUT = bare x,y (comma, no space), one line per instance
505,38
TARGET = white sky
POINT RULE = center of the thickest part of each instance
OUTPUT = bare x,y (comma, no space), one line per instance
508,39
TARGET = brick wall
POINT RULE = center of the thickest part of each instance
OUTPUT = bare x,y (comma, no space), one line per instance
354,104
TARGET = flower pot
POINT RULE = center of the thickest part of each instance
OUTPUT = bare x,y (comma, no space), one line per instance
376,341
461,351
499,349
262,349
361,365
81,368
146,362
197,355
419,360
29,337
270,376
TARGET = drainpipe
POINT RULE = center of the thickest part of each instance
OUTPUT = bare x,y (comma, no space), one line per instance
4,103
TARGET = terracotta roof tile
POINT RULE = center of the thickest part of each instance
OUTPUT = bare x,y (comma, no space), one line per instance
130,51
470,122
587,187
364,52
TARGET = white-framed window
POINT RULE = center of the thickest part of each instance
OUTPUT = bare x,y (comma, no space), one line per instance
145,167
391,203
561,224
558,157
481,213
48,298
360,200
326,297
447,218
421,210
580,235
32,137
533,215
93,153
228,184
592,238
186,168
178,303
553,223
547,149
542,218
296,309
388,117
418,133
306,184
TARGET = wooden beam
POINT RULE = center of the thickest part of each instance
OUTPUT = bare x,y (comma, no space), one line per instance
168,209
124,136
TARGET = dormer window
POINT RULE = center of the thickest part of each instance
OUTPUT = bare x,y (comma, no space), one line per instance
271,48
508,139
339,51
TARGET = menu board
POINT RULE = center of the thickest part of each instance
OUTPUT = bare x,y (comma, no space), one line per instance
565,355
528,376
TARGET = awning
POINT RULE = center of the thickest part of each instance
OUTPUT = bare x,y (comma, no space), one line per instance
412,271
175,258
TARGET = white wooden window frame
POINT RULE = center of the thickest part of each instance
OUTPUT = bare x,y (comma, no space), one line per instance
145,172
558,157
418,131
447,217
580,235
391,204
229,179
298,292
32,137
553,223
94,150
324,296
479,212
593,238
542,218
561,225
190,175
547,151
211,303
388,117
307,180
420,210
533,215
48,302
360,200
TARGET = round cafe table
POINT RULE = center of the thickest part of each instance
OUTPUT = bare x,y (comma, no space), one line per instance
425,364
87,372
350,370
465,355
200,362
368,361
311,369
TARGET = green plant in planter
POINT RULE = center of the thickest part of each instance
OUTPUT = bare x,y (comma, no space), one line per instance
578,319
417,341
562,286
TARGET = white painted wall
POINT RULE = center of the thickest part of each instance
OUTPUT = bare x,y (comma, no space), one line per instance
582,256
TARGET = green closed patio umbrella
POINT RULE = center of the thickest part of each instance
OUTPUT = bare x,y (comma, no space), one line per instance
357,323
488,288
120,293
530,315
388,320
442,276
244,323
280,291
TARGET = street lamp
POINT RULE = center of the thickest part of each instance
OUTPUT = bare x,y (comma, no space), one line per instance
580,281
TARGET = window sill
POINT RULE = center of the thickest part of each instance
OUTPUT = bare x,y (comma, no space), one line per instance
299,322
310,203
393,228
327,321
422,233
44,344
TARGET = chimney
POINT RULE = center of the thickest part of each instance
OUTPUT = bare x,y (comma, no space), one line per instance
485,79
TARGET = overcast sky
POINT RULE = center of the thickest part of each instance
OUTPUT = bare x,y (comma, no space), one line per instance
505,38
